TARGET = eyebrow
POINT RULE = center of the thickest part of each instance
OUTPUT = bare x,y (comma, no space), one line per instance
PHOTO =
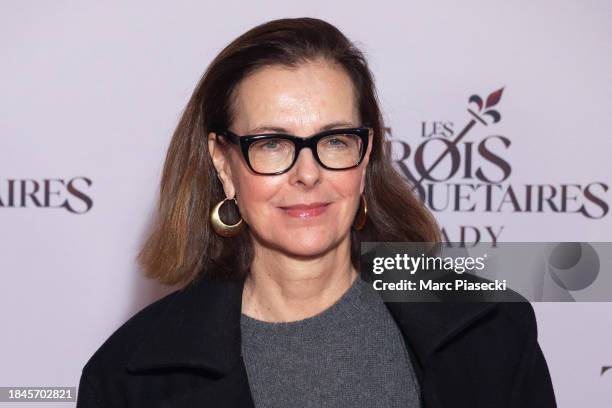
262,129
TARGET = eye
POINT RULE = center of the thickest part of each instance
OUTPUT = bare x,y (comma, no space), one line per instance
338,142
270,144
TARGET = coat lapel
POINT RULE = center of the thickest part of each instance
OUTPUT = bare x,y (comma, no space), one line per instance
427,327
232,390
200,329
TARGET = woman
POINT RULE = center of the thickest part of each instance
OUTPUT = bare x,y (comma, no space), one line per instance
276,172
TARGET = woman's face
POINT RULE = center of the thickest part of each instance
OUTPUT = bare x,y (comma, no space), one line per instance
300,101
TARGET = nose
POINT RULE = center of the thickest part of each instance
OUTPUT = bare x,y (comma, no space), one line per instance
306,170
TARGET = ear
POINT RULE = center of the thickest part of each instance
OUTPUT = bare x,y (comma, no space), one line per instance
222,164
366,160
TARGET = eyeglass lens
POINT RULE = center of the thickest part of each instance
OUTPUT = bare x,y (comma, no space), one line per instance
337,151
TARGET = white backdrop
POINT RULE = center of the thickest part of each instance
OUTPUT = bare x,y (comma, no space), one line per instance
92,91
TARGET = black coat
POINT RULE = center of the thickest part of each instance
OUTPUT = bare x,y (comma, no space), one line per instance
184,351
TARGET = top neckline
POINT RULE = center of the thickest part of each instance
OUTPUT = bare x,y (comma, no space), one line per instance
354,301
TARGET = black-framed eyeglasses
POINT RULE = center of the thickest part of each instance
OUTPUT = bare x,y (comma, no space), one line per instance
276,153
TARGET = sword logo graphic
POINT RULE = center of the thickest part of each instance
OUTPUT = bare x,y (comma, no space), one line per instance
481,115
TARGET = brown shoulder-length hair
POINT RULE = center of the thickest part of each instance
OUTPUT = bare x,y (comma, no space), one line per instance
182,244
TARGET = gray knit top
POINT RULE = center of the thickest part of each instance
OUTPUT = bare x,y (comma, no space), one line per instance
350,355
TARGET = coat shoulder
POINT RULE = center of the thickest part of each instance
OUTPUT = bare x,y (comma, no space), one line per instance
519,313
519,319
117,348
499,351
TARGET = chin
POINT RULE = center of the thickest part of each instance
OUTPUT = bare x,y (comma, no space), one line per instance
305,244
307,250
303,240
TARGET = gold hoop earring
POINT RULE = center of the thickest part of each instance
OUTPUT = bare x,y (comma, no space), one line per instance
362,214
219,226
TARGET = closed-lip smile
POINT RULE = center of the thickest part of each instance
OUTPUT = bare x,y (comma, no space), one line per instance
305,210
304,206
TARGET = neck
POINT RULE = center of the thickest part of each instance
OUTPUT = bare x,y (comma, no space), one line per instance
283,288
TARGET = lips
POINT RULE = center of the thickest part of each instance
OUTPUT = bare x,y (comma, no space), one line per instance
304,206
305,210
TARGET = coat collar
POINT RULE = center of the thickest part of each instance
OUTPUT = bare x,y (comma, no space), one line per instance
200,328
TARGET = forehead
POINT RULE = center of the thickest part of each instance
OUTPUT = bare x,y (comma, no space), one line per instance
301,98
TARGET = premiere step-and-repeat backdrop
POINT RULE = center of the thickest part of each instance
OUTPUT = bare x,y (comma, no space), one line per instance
518,95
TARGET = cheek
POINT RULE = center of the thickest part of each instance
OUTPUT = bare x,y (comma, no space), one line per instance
256,197
347,189
348,182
